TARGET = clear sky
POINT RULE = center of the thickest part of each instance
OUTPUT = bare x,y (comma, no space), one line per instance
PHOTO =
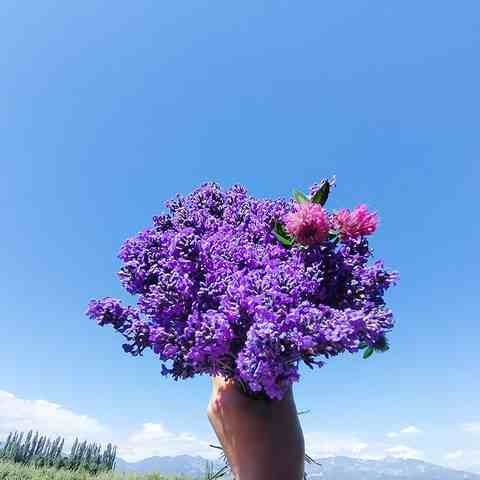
109,108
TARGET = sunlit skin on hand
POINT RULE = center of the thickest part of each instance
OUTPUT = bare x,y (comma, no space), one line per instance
262,440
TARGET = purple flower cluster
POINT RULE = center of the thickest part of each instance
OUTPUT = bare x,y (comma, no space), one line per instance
217,293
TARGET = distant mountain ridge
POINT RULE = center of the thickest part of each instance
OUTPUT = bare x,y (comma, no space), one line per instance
334,468
345,468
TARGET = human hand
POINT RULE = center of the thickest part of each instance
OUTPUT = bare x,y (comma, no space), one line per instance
262,440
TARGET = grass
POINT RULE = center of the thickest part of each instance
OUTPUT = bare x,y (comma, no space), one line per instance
16,471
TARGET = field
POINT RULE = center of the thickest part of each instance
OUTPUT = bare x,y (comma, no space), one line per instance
15,471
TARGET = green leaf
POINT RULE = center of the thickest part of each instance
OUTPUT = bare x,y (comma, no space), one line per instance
368,352
363,345
280,229
281,235
284,241
334,235
381,345
321,195
300,197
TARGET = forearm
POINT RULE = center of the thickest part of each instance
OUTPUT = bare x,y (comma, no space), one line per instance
261,440
283,463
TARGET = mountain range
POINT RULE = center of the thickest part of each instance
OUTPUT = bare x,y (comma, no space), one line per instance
334,468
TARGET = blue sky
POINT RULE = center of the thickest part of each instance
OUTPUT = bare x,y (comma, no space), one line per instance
109,108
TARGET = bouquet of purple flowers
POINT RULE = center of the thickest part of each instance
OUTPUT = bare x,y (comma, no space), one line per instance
228,284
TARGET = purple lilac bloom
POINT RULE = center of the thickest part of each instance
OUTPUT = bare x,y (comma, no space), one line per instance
217,293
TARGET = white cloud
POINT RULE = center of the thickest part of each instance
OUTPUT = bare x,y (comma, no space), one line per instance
320,444
463,460
154,439
410,429
47,417
455,455
405,430
403,451
472,427
52,419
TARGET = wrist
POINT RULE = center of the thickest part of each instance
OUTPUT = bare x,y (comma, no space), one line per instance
286,465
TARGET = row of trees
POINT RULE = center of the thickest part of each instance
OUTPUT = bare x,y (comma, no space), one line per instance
39,450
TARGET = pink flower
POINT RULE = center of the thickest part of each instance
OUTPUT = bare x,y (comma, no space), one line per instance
308,223
356,223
